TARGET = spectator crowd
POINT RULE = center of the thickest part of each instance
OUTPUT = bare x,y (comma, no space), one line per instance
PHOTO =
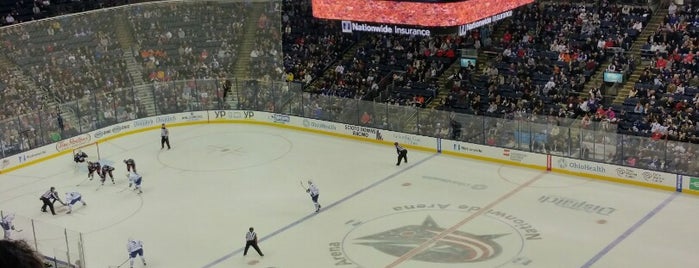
540,70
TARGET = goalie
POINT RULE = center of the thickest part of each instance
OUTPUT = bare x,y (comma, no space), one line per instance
80,157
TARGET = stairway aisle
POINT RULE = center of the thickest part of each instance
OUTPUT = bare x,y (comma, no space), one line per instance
484,57
346,57
241,69
129,45
655,22
51,102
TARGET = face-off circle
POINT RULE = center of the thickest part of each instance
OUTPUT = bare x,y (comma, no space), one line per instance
237,150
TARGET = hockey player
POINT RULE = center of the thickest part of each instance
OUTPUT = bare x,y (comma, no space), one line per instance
313,191
106,170
130,164
136,180
72,198
7,226
93,167
80,157
135,248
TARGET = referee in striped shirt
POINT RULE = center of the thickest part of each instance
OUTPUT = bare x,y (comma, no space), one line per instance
251,240
402,153
48,198
164,137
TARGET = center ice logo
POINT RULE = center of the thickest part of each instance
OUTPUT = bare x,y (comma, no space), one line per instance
456,247
422,233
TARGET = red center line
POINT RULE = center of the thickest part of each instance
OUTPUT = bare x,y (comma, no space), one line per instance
447,232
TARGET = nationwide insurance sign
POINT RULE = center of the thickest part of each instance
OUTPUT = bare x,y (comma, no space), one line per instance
350,27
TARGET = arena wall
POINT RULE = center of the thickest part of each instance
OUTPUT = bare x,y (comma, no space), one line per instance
575,167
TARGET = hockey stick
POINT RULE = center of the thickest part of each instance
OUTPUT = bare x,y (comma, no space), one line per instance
82,181
123,262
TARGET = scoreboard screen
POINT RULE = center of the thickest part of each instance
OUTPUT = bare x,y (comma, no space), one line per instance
426,13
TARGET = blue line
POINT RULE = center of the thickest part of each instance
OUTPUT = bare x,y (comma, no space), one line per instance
297,222
630,230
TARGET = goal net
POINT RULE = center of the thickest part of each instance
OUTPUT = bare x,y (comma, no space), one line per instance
92,150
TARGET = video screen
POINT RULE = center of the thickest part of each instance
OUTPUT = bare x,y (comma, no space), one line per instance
428,1
444,13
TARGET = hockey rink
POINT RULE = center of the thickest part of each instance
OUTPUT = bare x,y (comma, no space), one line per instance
200,197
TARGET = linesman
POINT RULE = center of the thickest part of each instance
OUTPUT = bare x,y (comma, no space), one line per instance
251,240
49,197
164,137
402,153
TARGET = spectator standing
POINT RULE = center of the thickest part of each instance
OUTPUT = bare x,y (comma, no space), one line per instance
164,137
251,240
59,120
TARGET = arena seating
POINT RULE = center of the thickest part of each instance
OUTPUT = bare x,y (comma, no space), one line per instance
664,101
542,65
537,73
186,40
401,70
310,45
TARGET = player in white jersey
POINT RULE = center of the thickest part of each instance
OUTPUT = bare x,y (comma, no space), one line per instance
135,248
72,198
314,192
7,225
136,180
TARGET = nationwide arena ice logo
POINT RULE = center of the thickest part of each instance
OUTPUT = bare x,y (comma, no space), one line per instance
418,233
456,247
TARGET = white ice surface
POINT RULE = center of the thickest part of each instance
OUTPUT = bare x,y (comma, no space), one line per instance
200,197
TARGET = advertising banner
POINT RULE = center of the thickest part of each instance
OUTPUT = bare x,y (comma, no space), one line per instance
692,183
220,115
630,174
509,156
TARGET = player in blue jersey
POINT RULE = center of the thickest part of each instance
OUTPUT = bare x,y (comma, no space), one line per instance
314,192
7,225
72,198
135,248
135,179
